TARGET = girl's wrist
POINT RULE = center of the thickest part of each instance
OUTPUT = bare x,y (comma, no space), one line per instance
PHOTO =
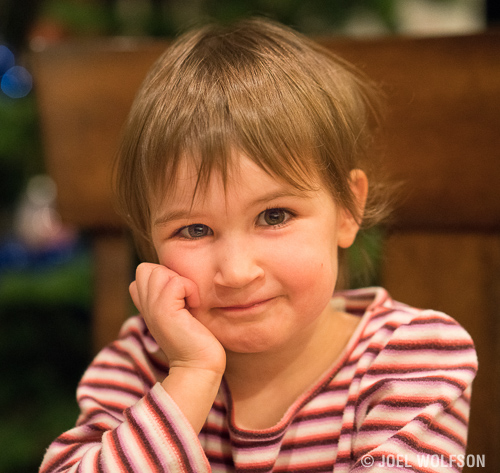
190,374
194,391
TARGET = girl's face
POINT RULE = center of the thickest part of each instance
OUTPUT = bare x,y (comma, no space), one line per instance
262,253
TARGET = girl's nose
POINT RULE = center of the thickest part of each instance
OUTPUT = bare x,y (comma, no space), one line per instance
237,265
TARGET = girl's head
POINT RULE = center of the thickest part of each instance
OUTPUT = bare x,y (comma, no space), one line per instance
258,88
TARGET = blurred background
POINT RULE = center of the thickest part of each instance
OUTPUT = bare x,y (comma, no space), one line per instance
45,265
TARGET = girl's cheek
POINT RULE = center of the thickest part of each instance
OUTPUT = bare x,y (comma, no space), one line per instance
193,265
305,265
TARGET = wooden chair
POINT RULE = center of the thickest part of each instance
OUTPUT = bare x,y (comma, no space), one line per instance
442,141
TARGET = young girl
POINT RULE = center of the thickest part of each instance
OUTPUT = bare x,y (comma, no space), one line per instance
243,173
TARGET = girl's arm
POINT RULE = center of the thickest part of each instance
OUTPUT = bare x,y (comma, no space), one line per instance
129,423
152,436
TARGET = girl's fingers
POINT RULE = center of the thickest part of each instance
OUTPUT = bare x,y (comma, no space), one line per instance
140,285
134,294
149,290
192,294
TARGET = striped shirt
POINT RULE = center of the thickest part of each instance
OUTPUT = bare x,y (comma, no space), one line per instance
400,390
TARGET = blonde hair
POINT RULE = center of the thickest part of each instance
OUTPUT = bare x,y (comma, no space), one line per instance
290,105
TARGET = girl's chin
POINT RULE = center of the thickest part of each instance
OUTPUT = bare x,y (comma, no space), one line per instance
248,343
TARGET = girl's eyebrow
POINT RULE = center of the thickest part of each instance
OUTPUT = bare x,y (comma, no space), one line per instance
172,215
180,214
296,193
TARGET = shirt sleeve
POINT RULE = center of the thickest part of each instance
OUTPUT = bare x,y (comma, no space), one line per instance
414,398
127,422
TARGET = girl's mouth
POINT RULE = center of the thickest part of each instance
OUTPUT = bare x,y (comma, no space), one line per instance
247,306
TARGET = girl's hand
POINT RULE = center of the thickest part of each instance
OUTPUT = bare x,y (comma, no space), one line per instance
196,358
164,297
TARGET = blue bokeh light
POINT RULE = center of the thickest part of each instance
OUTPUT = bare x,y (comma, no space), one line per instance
16,82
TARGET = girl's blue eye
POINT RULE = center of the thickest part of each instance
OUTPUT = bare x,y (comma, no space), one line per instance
196,230
274,217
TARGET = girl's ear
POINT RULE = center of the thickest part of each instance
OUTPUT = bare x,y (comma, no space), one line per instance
348,225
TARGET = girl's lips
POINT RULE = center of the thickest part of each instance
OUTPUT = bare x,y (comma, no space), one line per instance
242,307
